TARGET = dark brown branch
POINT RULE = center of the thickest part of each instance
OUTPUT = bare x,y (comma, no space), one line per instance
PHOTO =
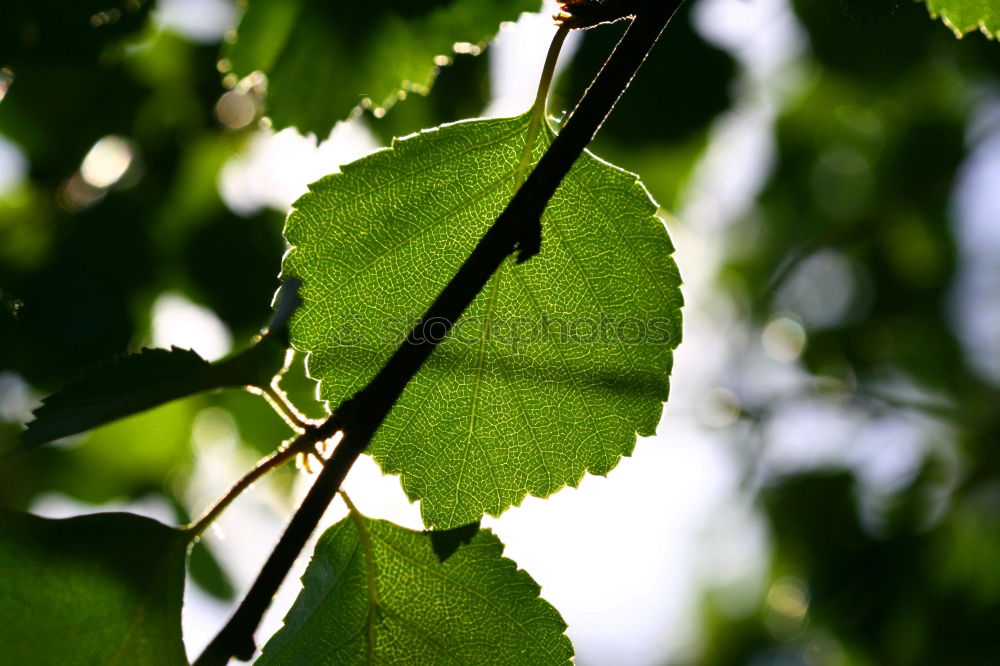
360,416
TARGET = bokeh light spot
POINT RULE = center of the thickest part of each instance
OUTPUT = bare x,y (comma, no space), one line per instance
784,339
6,79
720,408
76,194
466,47
787,607
107,161
235,109
180,323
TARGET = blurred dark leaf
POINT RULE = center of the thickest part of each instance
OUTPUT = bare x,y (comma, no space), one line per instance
96,589
152,377
461,90
84,276
53,31
868,12
233,263
867,40
916,590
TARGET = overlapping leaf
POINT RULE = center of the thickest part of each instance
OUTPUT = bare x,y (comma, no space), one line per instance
323,58
98,589
378,593
964,16
557,364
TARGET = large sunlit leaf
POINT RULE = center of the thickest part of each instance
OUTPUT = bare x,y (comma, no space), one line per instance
323,59
557,364
377,593
964,16
97,589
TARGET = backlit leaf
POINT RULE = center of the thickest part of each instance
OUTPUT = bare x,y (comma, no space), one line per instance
557,364
323,59
964,16
378,593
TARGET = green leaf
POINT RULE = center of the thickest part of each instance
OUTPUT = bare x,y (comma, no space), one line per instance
377,593
556,365
124,386
964,16
97,589
323,59
136,382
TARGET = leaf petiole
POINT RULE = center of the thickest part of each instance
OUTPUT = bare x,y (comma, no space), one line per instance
306,442
280,403
539,108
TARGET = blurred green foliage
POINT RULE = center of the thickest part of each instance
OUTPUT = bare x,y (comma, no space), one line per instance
323,60
866,156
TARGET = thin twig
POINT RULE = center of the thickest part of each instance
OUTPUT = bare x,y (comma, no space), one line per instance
304,443
360,416
279,403
236,638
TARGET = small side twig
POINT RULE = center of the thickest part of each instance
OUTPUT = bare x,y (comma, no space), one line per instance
279,403
304,443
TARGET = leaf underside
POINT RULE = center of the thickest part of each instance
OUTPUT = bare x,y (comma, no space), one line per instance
323,59
964,16
136,382
378,593
553,369
118,388
97,589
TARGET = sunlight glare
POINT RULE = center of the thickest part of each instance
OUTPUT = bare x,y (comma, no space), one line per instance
516,59
13,163
784,339
107,161
6,79
276,167
180,323
204,21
